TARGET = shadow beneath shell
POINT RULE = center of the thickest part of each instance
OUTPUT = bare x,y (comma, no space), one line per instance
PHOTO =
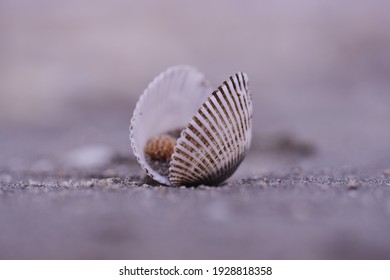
153,183
150,182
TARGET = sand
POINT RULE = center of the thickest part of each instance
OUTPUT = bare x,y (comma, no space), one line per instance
78,193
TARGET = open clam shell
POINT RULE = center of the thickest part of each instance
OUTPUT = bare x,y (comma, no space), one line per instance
213,128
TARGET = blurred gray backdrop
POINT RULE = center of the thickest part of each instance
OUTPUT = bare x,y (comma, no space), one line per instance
318,69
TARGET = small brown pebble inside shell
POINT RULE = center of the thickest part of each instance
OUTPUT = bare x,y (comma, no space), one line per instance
160,147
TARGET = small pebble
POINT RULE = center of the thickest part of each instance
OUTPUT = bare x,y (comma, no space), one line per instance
386,172
33,182
65,184
352,184
161,147
89,183
262,184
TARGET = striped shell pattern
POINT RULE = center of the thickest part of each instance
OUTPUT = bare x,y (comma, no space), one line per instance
216,126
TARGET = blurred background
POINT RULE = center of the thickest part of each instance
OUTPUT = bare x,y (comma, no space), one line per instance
315,184
319,70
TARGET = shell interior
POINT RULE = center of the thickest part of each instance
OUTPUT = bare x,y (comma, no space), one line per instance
167,104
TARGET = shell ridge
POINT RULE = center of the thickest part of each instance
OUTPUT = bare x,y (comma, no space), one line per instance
212,131
247,111
200,165
183,174
242,100
232,113
240,97
209,155
181,166
244,80
227,124
215,111
182,178
217,128
213,147
241,79
232,129
184,141
221,148
239,82
232,99
239,113
188,164
250,110
205,130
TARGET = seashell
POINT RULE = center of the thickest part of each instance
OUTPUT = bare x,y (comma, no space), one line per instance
184,133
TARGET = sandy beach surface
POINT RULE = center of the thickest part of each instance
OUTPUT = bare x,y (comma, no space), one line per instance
63,199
